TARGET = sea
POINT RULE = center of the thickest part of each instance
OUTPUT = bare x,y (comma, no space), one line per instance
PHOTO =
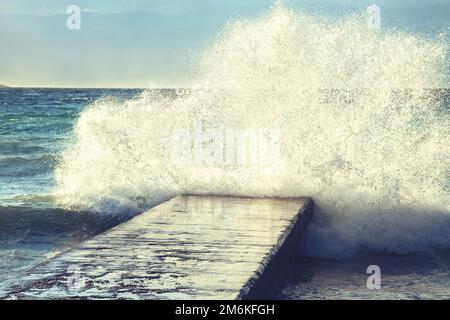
363,123
36,126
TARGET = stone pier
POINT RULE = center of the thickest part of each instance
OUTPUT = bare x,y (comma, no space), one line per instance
190,247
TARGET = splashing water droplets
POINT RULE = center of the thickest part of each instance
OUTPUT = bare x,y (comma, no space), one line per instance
359,133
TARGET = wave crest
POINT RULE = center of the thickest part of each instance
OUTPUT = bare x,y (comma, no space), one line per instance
361,132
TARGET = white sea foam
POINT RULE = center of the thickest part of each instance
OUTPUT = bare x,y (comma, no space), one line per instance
373,155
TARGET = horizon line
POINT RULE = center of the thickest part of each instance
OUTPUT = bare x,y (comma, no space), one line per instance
188,88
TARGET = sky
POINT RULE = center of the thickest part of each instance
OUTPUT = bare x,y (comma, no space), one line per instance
148,43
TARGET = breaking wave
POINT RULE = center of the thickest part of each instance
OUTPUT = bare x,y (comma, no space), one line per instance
361,131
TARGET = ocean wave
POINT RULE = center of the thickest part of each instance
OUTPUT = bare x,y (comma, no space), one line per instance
374,156
27,159
19,166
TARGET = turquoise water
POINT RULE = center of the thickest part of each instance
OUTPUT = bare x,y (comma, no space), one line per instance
34,127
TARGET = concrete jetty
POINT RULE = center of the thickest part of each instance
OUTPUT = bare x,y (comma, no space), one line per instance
190,247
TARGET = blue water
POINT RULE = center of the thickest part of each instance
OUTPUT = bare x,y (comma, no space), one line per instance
36,126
